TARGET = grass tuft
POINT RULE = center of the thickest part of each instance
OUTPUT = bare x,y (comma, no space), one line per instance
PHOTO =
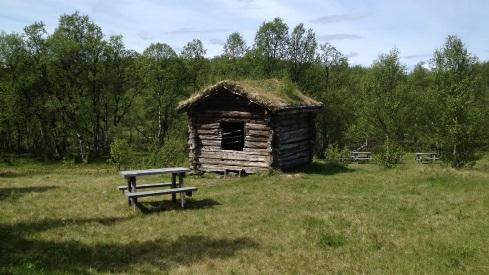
327,240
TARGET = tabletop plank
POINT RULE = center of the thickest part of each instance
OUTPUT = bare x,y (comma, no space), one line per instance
146,172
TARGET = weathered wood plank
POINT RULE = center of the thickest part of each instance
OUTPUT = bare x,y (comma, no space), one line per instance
257,125
257,139
305,143
160,192
215,168
146,185
292,153
234,114
293,140
233,155
243,163
258,133
295,162
134,173
256,145
257,152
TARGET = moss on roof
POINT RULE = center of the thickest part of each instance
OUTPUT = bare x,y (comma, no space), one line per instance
272,94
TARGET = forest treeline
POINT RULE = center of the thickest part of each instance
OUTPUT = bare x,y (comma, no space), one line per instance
69,94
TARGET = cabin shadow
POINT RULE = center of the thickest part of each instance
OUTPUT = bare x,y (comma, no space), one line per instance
168,205
317,168
20,251
17,192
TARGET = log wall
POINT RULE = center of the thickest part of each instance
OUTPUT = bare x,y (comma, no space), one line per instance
293,139
205,138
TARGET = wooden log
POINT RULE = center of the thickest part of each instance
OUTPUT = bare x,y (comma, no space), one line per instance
256,145
233,155
210,137
294,162
209,143
258,133
289,154
296,123
211,120
203,160
256,152
214,131
293,140
217,168
257,139
293,131
232,114
257,125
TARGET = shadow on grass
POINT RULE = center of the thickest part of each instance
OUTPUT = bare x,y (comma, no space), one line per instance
167,205
17,192
20,253
9,174
317,168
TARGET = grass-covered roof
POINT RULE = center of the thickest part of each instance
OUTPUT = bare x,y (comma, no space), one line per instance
272,94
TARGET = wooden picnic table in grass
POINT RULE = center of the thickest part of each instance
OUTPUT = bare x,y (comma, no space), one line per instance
130,190
360,156
423,158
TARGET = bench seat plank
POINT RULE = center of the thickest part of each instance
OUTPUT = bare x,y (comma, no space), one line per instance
146,185
159,192
146,172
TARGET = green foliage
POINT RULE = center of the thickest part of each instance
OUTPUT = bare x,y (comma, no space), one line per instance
460,104
68,93
385,104
235,46
193,50
271,44
172,153
336,155
120,152
389,154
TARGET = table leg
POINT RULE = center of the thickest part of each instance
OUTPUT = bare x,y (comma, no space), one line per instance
174,185
128,189
134,200
182,197
131,187
180,179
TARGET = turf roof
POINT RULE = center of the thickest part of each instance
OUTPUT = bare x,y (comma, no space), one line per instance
272,94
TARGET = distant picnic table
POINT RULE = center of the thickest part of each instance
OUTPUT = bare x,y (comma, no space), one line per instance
423,158
360,156
131,189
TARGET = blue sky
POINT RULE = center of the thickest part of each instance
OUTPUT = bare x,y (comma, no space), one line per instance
359,29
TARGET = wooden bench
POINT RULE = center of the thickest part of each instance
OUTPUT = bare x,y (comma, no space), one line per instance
131,187
360,156
123,188
423,158
182,190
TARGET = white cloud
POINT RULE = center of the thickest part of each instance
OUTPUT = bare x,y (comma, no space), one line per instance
339,36
339,18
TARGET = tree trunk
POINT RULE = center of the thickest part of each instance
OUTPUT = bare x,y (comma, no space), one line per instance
83,152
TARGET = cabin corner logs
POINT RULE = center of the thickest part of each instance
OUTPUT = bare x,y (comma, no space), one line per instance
229,131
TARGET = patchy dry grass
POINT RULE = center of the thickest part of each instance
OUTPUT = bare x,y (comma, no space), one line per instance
413,219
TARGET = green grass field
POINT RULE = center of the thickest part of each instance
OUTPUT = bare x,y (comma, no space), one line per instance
429,219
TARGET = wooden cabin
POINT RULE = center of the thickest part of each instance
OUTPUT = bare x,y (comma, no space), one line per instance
249,126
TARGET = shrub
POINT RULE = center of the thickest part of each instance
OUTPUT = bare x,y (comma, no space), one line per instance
119,152
336,155
388,154
172,153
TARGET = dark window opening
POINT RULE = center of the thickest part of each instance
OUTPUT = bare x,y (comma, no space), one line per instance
233,136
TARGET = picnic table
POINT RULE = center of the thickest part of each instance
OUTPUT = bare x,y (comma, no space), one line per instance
131,189
360,156
423,158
